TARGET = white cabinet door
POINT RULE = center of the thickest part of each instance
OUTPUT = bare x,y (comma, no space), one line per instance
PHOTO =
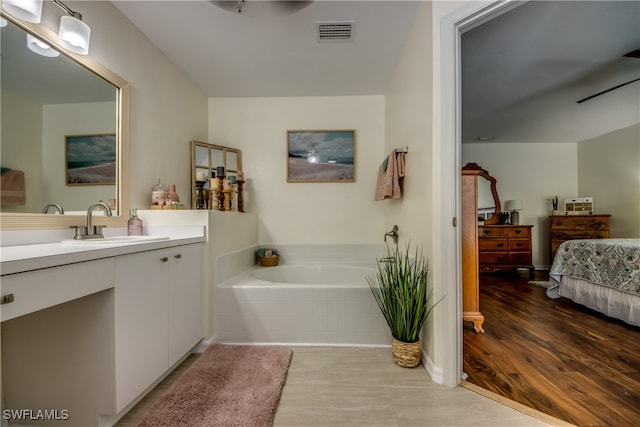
141,322
185,299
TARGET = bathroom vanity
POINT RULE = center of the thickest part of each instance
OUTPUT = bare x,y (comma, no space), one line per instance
87,329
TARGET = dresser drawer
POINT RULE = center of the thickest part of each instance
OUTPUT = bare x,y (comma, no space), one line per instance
492,231
519,257
563,235
498,244
493,257
519,231
580,222
519,244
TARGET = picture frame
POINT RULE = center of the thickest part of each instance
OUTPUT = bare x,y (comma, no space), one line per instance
90,159
321,155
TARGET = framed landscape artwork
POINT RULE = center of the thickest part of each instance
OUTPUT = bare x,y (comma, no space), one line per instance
90,159
321,155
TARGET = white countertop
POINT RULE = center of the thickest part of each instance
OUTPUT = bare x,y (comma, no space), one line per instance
34,254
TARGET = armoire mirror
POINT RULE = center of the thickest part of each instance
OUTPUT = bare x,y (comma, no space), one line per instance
488,200
53,109
205,161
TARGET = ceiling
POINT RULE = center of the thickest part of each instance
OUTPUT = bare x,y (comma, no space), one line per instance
522,72
270,49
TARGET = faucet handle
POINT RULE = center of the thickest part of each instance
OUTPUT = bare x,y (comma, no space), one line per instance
97,230
81,231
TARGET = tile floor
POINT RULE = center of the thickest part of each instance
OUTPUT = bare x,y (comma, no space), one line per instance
363,387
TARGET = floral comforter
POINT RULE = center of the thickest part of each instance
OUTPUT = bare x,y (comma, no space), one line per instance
609,262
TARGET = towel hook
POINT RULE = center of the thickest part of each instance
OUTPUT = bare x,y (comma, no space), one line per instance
393,234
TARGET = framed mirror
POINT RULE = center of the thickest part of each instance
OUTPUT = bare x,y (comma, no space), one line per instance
64,130
488,200
206,161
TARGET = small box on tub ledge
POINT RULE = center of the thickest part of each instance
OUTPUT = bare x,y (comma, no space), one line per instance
268,257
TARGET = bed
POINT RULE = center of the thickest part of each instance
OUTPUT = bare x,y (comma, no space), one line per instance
602,274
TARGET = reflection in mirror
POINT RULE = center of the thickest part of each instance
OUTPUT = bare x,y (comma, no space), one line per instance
205,161
63,128
47,102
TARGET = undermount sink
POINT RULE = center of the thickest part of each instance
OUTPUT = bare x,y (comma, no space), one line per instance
115,240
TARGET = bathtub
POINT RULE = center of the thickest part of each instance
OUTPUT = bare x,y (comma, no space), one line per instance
300,304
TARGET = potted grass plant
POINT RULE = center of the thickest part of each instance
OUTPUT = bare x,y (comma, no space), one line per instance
401,289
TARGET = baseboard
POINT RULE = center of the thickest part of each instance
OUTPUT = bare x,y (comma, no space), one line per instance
435,372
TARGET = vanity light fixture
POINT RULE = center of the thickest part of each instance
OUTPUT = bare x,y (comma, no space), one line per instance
73,34
27,10
41,48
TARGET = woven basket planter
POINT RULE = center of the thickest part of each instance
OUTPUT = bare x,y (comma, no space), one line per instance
269,262
406,354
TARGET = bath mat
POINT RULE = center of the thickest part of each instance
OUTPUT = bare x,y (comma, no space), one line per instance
541,283
229,385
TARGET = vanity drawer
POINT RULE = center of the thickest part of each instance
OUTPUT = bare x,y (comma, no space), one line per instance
39,289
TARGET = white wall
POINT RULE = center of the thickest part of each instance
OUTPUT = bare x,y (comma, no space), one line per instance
167,111
22,126
609,170
88,118
532,173
303,213
409,121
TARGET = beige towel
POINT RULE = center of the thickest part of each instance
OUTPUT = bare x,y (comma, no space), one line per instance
12,188
389,175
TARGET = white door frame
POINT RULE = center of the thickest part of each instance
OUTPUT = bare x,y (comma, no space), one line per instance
452,27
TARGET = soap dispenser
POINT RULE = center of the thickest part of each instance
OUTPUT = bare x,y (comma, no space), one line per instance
134,225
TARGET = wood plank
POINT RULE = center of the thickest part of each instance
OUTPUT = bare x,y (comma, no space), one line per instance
554,356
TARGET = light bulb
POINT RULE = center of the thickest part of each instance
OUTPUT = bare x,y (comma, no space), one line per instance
41,48
74,35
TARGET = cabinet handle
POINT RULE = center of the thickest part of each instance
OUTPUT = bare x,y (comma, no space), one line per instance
6,299
598,224
164,259
519,245
178,256
500,245
486,231
518,231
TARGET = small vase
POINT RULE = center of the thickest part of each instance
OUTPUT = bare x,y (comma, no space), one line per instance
405,354
171,194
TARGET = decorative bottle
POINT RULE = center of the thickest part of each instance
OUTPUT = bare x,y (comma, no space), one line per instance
134,225
172,195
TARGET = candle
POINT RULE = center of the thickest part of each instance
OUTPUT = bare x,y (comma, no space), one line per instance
240,176
220,170
226,185
199,176
232,179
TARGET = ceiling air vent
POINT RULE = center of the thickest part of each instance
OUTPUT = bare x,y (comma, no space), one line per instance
335,31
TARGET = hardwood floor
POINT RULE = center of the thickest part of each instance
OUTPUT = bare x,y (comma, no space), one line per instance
554,355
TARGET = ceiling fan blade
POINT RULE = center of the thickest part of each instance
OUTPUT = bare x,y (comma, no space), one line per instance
606,90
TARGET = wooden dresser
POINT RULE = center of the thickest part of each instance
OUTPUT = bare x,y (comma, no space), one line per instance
504,248
569,227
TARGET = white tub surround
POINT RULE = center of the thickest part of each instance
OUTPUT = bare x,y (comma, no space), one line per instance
91,328
317,296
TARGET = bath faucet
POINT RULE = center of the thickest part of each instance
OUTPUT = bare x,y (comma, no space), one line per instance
90,231
393,234
53,205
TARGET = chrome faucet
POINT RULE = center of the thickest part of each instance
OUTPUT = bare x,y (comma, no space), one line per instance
90,231
53,205
393,234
